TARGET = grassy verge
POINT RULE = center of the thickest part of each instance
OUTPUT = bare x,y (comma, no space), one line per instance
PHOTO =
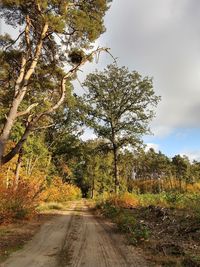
50,206
187,201
135,230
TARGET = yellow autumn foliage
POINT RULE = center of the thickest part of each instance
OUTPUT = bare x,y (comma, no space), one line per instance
60,192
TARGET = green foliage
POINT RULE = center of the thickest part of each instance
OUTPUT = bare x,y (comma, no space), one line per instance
162,199
152,199
173,198
119,103
83,20
126,222
33,76
191,202
110,211
187,201
119,107
181,167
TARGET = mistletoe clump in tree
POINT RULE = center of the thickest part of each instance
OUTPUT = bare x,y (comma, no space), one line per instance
120,106
33,80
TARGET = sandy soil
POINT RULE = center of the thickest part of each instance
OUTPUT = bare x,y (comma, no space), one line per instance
77,238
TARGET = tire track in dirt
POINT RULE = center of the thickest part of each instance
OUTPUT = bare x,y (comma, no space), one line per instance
93,243
77,239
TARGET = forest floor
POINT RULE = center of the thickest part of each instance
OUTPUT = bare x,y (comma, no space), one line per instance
174,236
74,237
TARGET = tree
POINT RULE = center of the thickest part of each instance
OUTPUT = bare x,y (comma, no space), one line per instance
120,106
152,165
33,80
194,172
181,166
93,169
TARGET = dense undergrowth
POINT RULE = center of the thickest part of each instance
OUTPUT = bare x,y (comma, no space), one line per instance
126,223
187,201
22,200
118,208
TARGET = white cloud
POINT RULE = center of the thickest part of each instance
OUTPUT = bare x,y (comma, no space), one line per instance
88,135
161,39
161,130
192,155
152,145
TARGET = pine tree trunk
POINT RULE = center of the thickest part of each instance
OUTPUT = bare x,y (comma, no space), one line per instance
7,128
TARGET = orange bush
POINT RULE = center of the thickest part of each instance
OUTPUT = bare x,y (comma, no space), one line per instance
125,200
60,192
193,188
18,199
18,202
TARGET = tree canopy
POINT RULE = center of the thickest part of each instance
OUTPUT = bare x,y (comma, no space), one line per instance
120,106
34,76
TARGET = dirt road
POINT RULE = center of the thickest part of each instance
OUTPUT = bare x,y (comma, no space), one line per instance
76,238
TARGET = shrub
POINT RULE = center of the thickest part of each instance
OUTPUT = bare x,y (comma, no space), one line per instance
152,199
135,230
18,202
192,203
125,200
173,199
110,211
114,208
61,192
125,222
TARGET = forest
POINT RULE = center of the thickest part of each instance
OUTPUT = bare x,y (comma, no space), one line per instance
43,158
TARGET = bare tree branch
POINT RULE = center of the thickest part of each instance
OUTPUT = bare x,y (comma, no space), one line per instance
44,127
13,42
22,113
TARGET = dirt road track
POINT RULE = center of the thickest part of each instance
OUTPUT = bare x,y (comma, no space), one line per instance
77,239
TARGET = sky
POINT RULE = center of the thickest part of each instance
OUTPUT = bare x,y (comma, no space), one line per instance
161,39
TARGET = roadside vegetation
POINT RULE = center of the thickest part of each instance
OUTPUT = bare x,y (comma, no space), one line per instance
166,226
28,197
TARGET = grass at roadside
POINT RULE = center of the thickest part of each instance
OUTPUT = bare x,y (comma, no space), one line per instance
135,230
49,206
